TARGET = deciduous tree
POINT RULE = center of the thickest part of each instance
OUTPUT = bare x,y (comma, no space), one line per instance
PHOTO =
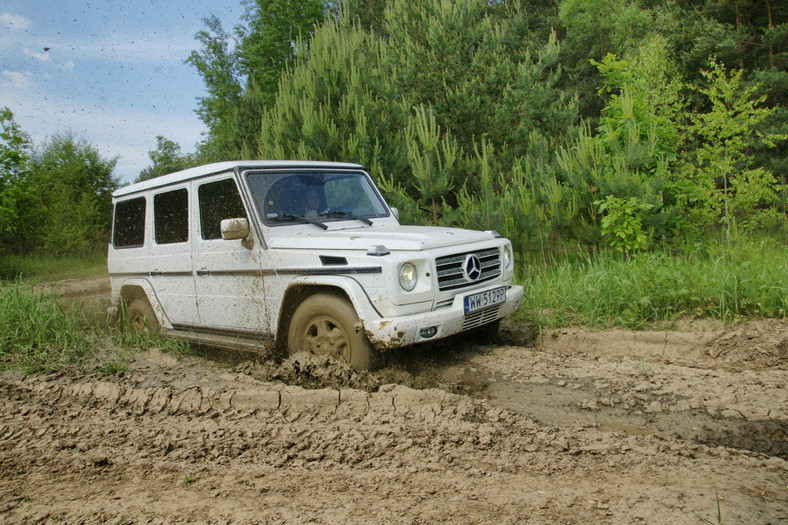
75,185
17,199
166,158
725,186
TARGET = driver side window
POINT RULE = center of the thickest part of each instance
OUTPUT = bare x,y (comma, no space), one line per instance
218,201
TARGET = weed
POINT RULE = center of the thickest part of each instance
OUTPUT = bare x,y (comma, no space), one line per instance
719,511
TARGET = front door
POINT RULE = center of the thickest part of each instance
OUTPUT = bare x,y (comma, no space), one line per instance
228,276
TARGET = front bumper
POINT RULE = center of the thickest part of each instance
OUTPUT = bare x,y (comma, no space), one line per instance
395,332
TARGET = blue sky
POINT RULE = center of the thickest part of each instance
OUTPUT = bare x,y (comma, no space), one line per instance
111,72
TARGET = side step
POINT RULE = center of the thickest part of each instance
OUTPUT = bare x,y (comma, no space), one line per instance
259,344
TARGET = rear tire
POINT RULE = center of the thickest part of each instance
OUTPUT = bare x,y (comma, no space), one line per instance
140,317
328,325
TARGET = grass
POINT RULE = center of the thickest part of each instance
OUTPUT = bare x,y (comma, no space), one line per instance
37,268
39,334
142,340
719,511
750,278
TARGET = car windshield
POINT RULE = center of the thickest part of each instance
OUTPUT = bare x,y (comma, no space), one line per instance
290,197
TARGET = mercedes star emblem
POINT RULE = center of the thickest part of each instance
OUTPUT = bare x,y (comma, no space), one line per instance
472,267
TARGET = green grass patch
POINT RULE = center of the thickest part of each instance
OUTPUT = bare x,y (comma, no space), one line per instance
36,268
38,334
749,278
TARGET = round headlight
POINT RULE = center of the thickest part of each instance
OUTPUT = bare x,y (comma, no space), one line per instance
408,277
508,258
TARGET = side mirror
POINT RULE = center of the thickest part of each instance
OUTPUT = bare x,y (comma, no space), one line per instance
395,211
235,229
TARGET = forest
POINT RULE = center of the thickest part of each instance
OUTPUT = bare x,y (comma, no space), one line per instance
604,124
571,127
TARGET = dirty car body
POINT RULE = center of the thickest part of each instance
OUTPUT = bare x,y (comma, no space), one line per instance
233,251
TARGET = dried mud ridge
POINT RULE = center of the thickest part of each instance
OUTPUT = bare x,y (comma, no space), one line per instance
573,427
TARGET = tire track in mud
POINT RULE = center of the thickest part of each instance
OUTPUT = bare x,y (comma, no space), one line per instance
276,420
580,403
283,421
156,433
188,441
745,409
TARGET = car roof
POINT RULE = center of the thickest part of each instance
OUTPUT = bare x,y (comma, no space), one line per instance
219,167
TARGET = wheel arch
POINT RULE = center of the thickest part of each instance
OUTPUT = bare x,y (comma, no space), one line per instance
298,291
139,289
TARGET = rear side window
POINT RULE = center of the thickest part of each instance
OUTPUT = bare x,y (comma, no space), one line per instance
171,216
218,201
128,230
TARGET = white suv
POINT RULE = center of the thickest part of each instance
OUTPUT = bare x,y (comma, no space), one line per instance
306,254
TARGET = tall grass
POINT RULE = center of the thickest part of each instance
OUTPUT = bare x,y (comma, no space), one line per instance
749,278
38,334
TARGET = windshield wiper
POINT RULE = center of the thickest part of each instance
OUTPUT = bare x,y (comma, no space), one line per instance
347,214
297,218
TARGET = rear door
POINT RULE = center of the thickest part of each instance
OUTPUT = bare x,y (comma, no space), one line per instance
170,255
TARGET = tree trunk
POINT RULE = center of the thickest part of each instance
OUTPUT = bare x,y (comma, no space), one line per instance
771,26
740,43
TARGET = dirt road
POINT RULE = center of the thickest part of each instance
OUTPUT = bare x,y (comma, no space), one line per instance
570,427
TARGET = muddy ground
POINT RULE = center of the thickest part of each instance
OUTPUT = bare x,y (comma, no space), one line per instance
570,426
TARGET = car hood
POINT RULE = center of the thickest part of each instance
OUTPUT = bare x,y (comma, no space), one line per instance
395,238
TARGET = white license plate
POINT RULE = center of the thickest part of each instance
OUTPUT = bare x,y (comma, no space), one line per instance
481,300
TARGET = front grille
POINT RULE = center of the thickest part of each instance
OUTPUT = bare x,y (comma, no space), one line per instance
451,271
482,317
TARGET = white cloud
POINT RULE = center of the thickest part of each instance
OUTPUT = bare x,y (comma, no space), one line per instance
17,80
126,133
42,56
129,47
12,21
66,66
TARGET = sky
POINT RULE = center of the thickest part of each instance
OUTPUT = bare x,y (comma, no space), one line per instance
110,72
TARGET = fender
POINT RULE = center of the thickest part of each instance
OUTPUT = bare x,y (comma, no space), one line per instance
150,293
348,284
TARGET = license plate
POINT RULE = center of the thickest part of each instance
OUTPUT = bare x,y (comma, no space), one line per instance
481,300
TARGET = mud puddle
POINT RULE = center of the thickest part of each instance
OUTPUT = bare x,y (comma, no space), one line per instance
576,405
562,382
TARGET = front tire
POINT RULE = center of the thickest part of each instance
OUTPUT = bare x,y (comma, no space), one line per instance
327,325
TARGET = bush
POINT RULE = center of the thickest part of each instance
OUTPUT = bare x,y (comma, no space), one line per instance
10,268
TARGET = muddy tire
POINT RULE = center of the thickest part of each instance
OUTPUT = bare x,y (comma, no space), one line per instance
327,324
487,335
141,318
